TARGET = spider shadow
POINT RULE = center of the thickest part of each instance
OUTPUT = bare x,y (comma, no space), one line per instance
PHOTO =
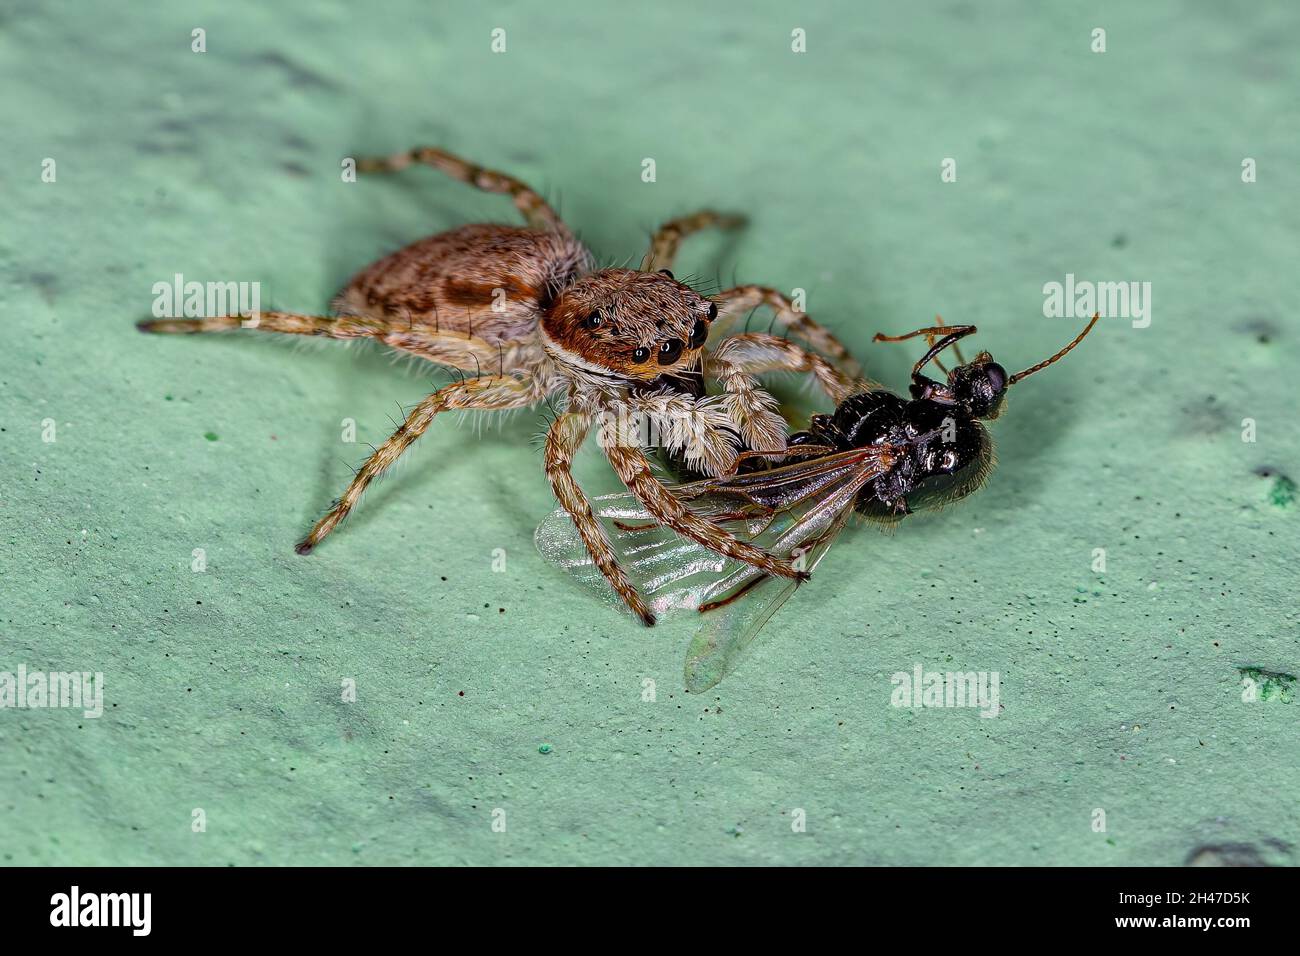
377,217
372,369
383,216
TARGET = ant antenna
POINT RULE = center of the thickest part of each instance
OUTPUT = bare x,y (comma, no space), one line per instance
1042,365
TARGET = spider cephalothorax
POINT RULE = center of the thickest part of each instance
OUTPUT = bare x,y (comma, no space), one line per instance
628,325
525,315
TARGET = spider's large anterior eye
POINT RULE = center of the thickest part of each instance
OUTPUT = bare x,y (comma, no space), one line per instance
670,351
641,354
593,321
713,311
699,332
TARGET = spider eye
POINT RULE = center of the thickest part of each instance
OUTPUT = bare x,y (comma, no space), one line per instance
666,272
713,311
670,351
699,333
593,321
641,354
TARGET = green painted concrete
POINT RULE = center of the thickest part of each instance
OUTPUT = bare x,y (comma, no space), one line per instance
481,690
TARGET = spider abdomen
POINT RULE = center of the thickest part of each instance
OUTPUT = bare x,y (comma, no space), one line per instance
489,281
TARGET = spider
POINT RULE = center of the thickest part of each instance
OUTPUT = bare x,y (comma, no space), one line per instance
622,347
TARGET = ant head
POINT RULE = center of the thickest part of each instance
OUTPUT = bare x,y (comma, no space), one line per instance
626,325
980,386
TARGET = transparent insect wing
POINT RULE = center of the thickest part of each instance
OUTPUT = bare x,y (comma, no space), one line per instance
671,572
745,601
794,511
727,631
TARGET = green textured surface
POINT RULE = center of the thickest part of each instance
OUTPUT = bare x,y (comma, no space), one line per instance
1120,691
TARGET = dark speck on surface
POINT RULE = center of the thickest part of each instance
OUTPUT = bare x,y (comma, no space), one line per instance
1262,330
1282,492
46,283
296,74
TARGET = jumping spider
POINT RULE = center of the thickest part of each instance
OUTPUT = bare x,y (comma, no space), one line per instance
614,343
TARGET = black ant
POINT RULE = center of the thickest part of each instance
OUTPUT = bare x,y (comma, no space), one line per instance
942,452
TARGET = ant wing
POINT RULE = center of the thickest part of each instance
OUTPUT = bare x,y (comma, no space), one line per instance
742,603
792,511
675,573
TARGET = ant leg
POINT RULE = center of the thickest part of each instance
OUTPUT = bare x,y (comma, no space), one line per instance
929,331
956,349
526,200
732,302
800,451
951,334
563,440
932,337
633,469
487,393
669,236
